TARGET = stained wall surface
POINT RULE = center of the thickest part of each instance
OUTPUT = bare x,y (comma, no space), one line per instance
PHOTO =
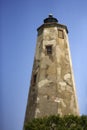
52,88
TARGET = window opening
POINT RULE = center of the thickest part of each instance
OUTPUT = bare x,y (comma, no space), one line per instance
60,34
49,49
34,79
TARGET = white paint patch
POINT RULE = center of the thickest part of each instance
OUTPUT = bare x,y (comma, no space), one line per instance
59,112
57,100
46,42
42,83
62,83
62,102
36,112
67,76
38,99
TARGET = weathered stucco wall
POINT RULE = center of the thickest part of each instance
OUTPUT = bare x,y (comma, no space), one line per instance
54,89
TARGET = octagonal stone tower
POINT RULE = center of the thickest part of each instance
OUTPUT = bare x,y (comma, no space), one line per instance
52,87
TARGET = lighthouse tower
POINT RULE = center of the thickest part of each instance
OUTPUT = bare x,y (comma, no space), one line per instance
52,88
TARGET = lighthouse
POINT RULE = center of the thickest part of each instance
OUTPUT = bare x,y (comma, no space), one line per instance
52,88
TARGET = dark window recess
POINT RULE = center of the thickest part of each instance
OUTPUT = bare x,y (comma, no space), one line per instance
34,79
60,34
49,49
48,97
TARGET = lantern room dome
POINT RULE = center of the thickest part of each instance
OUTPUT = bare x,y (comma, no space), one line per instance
50,19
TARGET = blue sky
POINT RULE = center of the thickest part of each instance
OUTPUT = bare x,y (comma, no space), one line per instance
19,20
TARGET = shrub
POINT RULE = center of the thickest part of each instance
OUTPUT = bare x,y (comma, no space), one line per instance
68,122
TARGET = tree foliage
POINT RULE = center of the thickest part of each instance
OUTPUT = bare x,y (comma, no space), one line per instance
68,122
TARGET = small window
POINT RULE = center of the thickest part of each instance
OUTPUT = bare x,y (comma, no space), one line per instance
60,34
49,49
48,97
34,79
